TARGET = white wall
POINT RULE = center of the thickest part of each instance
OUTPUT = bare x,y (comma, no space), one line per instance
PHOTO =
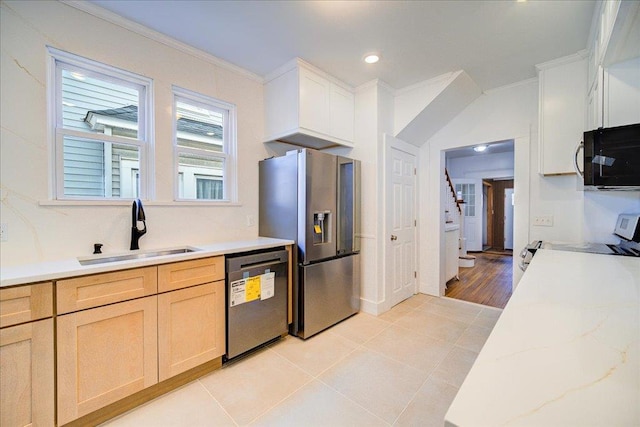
40,231
500,114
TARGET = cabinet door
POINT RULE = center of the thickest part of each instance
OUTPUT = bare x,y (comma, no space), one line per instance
105,354
314,102
105,288
562,116
191,328
342,113
183,274
451,254
26,379
25,303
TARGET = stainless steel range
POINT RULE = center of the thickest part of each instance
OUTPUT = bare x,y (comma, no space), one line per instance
627,228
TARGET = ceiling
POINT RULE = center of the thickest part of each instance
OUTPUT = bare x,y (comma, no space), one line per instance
493,148
495,42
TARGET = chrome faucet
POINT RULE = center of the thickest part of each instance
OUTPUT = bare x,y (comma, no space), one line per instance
137,214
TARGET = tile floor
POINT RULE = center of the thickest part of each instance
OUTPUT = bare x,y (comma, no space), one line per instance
402,368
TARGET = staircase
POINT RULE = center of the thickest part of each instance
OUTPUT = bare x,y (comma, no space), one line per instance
452,209
453,215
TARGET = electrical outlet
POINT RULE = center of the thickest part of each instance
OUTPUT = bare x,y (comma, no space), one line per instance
251,221
3,232
543,220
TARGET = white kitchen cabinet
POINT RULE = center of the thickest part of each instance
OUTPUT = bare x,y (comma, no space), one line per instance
621,101
562,90
613,93
594,102
451,238
304,106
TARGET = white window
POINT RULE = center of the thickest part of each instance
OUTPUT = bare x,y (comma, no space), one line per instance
205,147
101,130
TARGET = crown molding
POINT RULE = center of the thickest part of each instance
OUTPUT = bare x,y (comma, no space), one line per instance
511,85
127,24
563,60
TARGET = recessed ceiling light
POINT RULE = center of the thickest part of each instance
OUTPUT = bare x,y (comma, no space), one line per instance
372,58
210,133
480,148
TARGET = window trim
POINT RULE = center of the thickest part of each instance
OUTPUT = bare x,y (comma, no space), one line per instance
146,133
229,144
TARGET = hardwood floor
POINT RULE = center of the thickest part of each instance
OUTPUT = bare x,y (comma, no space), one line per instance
488,282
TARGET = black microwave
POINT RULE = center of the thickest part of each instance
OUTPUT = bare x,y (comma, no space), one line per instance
611,158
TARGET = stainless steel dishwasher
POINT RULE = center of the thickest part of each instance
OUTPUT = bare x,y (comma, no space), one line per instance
256,297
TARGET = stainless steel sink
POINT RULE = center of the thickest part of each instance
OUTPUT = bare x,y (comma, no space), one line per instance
134,256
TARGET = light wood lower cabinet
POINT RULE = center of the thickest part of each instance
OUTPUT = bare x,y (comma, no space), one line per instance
105,354
190,328
25,303
26,374
183,274
79,293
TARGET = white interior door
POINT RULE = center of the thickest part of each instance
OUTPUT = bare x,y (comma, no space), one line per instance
508,218
470,190
401,224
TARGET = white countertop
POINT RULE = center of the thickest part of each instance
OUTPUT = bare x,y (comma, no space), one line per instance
565,351
31,273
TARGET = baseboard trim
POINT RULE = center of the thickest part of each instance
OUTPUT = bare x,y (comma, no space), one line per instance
143,396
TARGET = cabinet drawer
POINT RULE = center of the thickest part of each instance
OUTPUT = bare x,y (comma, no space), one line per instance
25,303
106,288
189,273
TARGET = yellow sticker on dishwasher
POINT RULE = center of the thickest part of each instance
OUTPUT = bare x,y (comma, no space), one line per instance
252,288
317,229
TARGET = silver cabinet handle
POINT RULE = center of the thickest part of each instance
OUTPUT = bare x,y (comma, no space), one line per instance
394,237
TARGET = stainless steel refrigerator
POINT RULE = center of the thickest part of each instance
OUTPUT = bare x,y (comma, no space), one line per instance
313,198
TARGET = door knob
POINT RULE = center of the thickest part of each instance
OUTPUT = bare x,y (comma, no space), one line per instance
394,237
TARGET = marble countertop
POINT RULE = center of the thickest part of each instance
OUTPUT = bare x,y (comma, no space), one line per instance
31,273
565,351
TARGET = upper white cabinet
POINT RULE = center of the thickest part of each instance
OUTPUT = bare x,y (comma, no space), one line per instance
613,95
621,101
307,107
562,90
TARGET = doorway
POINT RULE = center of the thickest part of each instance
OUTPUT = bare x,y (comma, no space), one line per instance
488,222
499,215
401,162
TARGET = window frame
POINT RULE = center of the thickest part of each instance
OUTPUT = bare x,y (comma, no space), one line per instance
58,61
229,145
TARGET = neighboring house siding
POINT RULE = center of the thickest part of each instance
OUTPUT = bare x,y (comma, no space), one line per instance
83,168
84,164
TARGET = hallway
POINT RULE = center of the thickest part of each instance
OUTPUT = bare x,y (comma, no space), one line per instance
487,283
